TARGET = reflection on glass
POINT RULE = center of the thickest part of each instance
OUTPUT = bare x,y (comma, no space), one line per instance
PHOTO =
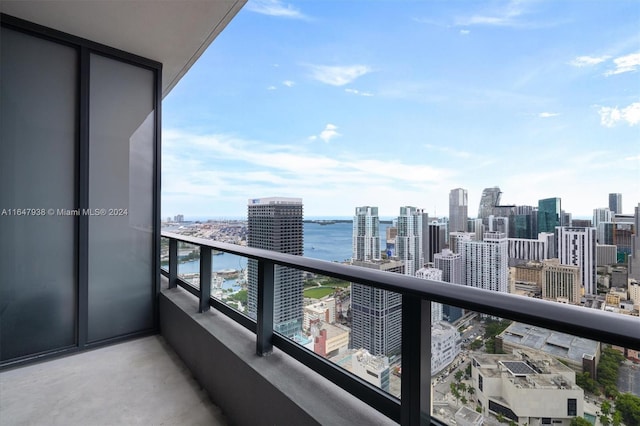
515,373
189,263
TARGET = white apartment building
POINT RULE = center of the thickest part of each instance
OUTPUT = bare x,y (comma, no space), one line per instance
409,239
445,346
577,246
486,262
430,273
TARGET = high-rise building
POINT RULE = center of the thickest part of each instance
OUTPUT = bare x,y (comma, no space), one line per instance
525,222
634,256
606,233
276,224
498,224
456,239
529,249
366,234
549,214
437,239
601,215
376,314
560,283
434,274
476,226
577,246
490,198
450,264
615,203
458,210
486,262
409,239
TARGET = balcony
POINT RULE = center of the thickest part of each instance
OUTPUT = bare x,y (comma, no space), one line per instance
241,362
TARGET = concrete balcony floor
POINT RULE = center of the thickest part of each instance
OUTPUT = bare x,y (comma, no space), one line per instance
137,382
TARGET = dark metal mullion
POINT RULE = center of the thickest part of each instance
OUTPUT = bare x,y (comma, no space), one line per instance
173,263
416,361
157,172
205,278
266,290
83,198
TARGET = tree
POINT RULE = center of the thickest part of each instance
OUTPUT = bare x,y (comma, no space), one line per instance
617,418
605,420
628,406
459,375
579,421
606,408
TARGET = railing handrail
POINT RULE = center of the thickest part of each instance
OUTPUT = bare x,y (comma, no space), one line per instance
616,329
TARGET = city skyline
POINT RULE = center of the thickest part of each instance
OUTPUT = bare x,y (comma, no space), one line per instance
397,103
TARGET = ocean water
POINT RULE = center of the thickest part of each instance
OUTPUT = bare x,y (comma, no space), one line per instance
326,242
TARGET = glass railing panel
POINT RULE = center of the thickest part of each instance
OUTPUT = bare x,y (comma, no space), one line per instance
164,254
331,322
189,263
514,373
229,281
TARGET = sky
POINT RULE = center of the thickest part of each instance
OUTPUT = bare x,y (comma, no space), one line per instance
395,103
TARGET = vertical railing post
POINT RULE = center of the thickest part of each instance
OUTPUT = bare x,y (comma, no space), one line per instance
173,263
264,316
205,278
416,361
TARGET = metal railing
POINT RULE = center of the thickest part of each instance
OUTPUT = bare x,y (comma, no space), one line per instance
417,295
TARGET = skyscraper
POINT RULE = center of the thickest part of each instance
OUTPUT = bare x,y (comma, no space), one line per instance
376,314
437,239
549,211
450,264
601,215
615,203
409,239
577,246
366,234
458,210
490,198
434,274
486,262
276,224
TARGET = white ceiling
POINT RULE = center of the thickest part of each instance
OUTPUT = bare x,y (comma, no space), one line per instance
173,32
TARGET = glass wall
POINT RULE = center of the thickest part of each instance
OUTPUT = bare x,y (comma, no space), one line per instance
38,279
78,192
121,140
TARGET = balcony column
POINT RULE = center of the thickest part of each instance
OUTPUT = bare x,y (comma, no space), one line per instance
416,361
205,278
264,320
173,263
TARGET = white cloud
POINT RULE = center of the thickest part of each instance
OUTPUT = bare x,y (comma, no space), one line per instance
231,169
610,116
338,75
288,83
271,88
464,32
636,158
586,61
627,63
330,131
357,92
548,114
449,151
274,8
507,16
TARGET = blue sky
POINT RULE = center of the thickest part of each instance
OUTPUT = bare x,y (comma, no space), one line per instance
394,103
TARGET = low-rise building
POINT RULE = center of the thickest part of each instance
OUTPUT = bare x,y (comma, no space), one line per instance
578,353
527,387
465,416
373,369
324,310
445,346
329,339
